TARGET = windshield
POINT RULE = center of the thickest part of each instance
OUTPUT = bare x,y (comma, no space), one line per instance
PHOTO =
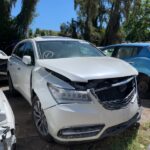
66,49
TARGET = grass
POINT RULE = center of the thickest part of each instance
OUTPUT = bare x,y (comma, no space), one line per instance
135,138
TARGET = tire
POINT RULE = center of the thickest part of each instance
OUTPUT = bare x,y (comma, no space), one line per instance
40,120
143,85
11,87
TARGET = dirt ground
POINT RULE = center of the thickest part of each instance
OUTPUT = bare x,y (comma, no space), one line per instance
27,137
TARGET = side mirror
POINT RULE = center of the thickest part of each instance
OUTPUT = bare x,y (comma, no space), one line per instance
27,60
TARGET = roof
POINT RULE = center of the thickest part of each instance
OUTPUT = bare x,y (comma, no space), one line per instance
131,44
51,38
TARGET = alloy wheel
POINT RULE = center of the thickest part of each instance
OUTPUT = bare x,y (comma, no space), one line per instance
40,119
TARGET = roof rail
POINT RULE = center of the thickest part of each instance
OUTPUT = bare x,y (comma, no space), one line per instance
48,37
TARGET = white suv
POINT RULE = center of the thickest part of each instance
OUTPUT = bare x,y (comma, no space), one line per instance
76,93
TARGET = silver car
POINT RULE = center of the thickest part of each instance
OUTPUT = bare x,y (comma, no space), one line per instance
76,93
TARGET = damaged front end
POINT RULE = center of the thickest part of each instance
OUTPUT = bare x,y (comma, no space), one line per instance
112,94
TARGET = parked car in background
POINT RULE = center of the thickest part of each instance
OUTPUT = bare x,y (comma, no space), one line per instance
3,65
138,55
76,93
7,125
100,48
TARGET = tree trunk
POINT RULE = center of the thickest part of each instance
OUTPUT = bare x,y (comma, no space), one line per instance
113,24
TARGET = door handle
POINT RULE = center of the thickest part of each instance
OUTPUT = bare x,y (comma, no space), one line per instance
18,68
10,64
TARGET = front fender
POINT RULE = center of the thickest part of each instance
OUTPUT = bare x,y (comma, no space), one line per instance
39,86
40,78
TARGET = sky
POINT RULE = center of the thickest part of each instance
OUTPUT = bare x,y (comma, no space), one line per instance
51,13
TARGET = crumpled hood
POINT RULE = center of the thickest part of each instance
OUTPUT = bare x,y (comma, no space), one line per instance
89,68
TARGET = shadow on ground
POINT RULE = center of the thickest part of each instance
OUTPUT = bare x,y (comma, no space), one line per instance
28,139
146,103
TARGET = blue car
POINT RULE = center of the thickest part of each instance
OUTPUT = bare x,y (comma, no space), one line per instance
138,55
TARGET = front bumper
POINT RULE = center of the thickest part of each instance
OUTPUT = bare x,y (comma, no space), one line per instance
84,122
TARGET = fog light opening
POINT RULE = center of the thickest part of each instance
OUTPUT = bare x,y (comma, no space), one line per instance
80,132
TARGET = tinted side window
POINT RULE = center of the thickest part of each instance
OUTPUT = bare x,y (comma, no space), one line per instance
29,51
19,51
124,52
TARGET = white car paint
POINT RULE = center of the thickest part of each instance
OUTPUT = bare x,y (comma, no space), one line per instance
6,120
84,69
3,55
36,78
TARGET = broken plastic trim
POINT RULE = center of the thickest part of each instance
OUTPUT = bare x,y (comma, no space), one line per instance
115,85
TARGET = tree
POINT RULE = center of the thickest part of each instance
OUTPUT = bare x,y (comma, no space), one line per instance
13,29
42,32
113,23
137,27
88,12
100,21
30,33
69,29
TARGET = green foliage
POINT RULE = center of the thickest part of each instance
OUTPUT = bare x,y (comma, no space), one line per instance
15,28
106,22
134,138
40,32
138,26
87,11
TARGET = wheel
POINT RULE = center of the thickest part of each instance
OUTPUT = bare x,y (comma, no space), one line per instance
11,87
143,85
40,120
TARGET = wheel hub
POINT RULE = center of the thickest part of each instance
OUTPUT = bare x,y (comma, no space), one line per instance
40,119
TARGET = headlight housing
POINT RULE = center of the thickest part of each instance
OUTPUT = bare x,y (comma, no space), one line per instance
64,96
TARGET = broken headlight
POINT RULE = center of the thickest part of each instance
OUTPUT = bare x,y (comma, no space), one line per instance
68,96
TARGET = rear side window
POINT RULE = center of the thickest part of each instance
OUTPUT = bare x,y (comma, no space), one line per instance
125,52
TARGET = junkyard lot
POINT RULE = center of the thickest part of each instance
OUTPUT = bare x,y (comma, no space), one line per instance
28,138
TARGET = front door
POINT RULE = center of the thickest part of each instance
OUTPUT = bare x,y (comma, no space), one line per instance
26,72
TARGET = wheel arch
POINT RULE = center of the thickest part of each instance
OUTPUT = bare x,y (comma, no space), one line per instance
143,75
